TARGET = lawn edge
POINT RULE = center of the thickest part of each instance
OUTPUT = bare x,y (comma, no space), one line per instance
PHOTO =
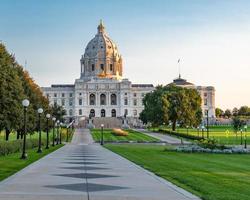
8,178
180,188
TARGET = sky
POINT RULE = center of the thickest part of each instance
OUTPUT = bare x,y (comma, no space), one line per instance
210,37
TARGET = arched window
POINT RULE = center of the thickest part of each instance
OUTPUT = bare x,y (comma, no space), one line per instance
91,99
70,112
80,111
113,99
103,99
102,113
92,113
113,113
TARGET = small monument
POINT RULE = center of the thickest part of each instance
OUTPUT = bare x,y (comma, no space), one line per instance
125,122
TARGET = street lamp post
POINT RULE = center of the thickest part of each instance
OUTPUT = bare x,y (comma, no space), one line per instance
61,132
241,139
40,111
102,134
54,121
57,134
47,141
202,129
67,139
25,104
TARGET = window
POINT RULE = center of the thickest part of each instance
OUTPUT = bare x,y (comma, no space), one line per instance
80,102
70,102
111,67
142,94
135,112
63,94
134,94
93,67
205,102
113,99
126,101
135,102
102,113
205,94
55,102
63,102
70,112
113,113
47,95
55,95
102,67
126,93
92,99
70,94
92,113
103,99
80,94
80,111
206,112
126,112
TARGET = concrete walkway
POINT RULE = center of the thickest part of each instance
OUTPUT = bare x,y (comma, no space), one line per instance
163,137
86,171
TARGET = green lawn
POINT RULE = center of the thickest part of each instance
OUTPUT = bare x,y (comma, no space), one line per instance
12,163
210,176
132,136
223,134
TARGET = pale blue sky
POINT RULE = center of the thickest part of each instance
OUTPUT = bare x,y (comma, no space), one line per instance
212,38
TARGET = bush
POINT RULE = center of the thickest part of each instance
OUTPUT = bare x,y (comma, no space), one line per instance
8,147
192,137
211,144
119,132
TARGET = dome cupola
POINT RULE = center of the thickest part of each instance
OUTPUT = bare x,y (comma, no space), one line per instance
101,58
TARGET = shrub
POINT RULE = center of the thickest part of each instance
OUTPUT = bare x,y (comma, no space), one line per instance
119,132
211,144
8,147
192,137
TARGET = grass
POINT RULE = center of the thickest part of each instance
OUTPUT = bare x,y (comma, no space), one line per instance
210,176
134,136
223,134
12,163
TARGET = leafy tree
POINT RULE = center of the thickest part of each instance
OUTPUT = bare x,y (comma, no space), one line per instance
219,112
172,103
11,93
58,112
238,123
235,111
227,113
244,111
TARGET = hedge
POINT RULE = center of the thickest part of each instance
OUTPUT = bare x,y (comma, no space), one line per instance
192,137
8,147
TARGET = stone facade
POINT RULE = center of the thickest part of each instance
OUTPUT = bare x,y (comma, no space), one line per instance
101,91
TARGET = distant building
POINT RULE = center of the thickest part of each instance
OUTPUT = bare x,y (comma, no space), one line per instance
101,91
103,94
207,94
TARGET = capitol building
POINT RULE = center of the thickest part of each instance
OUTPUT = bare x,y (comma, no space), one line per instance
102,96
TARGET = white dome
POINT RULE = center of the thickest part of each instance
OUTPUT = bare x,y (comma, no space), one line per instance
101,57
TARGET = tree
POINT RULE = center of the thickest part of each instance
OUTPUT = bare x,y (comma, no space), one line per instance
235,111
218,112
227,113
244,111
172,103
58,112
11,93
238,123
